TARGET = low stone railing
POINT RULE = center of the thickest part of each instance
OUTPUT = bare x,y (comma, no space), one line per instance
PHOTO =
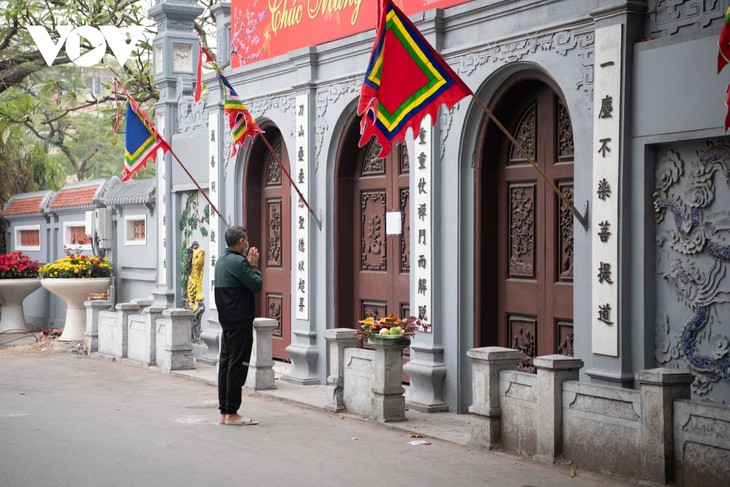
640,433
366,382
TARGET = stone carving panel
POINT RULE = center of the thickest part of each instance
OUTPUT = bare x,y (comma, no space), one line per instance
692,210
330,95
561,43
671,17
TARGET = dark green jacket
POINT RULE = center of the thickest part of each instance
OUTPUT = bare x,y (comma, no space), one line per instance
235,284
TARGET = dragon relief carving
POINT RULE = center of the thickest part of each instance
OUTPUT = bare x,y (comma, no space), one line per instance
693,252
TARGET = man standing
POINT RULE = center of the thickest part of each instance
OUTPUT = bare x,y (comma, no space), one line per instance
236,280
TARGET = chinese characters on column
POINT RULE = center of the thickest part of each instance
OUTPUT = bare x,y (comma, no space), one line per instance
301,257
213,195
421,180
161,211
606,170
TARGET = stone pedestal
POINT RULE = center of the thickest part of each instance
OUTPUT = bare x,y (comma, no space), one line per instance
427,372
211,336
552,371
304,355
261,366
338,339
487,363
91,337
659,389
174,340
389,401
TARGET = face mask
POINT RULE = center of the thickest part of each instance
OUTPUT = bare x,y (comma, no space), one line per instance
245,251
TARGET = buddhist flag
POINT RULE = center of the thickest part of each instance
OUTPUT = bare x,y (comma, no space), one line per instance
141,140
406,80
723,57
240,120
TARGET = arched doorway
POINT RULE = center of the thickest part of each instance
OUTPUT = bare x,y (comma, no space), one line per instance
372,269
524,276
267,212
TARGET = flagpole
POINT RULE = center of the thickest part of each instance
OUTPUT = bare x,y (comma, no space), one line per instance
583,219
301,196
196,184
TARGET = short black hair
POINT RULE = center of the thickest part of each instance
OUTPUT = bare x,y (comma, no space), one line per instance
234,234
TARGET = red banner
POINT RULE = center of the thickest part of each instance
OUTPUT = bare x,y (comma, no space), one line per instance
261,29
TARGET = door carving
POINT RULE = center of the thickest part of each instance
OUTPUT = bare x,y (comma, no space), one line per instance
524,282
267,213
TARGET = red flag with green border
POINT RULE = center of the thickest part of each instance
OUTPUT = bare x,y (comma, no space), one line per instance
406,80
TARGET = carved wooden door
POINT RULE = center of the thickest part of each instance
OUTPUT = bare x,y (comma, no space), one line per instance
268,213
535,244
381,269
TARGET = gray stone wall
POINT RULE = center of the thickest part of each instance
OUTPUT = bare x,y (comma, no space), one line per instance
600,425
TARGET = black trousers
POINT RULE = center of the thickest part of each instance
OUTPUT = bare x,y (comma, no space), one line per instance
233,367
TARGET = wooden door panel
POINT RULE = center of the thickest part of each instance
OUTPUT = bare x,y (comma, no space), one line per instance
268,216
534,258
381,267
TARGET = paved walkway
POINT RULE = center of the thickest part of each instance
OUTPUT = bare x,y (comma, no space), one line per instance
68,419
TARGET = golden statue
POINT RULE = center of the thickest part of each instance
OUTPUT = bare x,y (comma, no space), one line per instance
196,261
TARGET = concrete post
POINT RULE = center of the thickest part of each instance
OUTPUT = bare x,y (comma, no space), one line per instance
552,371
338,339
175,329
121,332
389,400
143,303
152,314
659,389
261,366
91,336
487,363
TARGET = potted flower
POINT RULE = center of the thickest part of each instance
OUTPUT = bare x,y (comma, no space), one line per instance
73,278
18,278
388,328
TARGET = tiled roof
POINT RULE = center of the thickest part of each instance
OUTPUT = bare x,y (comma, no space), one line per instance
27,203
23,206
74,197
133,192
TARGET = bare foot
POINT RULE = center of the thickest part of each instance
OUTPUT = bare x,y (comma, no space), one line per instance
238,420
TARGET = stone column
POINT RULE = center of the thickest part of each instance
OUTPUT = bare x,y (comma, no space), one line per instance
261,366
175,331
487,363
552,371
121,331
91,336
659,389
338,339
389,401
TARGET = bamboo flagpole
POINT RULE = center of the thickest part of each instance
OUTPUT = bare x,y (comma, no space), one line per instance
583,219
160,142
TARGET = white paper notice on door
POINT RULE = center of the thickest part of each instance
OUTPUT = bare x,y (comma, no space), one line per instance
393,223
